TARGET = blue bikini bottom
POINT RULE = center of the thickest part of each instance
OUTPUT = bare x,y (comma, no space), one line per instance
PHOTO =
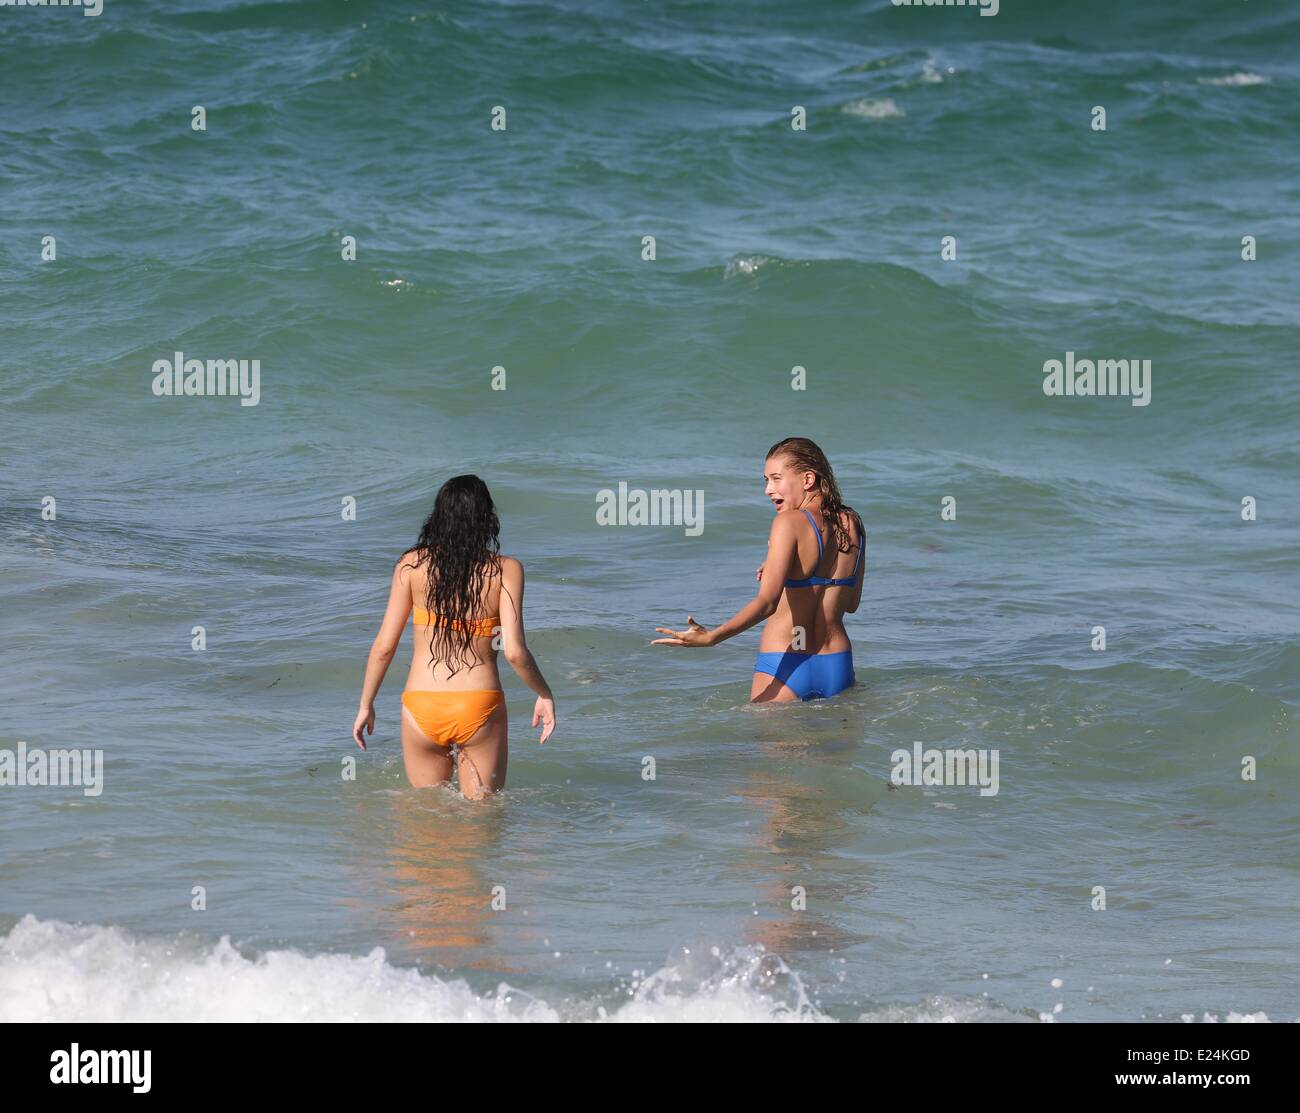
809,675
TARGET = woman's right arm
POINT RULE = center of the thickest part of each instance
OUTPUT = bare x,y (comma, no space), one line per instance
383,650
515,648
781,553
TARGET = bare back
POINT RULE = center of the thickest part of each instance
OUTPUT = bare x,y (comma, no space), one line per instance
817,610
479,670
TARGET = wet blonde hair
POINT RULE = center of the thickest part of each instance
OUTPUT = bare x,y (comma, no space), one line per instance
806,456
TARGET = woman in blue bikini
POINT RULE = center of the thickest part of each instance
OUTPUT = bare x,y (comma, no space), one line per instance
811,578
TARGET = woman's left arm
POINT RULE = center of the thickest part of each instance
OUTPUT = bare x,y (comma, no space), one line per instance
855,597
383,650
781,548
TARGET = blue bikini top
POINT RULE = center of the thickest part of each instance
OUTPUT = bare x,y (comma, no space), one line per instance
822,581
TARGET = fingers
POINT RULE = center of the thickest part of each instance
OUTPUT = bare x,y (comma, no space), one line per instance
668,641
546,716
361,728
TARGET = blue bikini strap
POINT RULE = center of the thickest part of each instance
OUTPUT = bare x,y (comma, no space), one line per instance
813,580
813,522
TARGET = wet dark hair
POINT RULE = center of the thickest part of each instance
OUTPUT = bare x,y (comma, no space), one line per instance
460,543
806,456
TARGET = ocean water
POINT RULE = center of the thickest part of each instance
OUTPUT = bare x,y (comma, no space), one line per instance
770,870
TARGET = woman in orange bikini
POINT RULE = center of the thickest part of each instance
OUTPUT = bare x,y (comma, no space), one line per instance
461,590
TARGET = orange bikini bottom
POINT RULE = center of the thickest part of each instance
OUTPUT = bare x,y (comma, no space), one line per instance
452,718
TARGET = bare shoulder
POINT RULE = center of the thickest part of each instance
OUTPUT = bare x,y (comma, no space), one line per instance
406,564
511,584
786,521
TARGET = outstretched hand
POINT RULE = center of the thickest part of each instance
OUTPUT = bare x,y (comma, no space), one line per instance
694,636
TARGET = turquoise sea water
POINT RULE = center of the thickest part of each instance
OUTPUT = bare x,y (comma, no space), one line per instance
774,248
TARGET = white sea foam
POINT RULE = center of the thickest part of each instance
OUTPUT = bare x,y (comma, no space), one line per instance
56,971
930,74
1234,79
52,971
873,109
746,265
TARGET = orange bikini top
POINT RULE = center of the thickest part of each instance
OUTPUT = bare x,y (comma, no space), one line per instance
479,627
